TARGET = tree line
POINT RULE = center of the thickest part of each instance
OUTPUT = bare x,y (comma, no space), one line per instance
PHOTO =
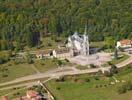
24,22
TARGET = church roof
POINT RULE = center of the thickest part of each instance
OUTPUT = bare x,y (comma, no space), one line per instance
62,50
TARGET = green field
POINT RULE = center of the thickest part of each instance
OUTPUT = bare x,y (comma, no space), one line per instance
83,90
9,72
49,64
45,65
13,93
120,59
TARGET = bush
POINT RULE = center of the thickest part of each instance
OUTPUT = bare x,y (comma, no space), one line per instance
96,78
128,86
61,79
87,80
107,74
121,90
49,44
113,69
58,88
125,87
5,75
67,60
92,66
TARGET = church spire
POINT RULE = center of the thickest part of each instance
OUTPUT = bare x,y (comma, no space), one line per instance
85,31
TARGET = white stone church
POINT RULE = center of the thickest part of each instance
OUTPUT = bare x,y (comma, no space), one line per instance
79,43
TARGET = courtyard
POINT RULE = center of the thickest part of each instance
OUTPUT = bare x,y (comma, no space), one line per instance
96,59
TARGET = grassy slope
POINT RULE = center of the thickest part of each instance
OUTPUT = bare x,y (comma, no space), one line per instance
12,94
120,59
15,71
45,65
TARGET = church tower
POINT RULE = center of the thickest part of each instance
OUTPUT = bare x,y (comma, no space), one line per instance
85,44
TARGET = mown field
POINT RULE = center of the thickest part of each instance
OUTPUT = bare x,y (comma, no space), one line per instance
10,72
86,87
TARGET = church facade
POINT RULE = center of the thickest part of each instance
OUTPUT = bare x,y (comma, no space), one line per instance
79,43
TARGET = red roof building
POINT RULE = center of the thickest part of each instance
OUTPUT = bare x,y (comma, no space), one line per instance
4,98
32,94
124,43
43,53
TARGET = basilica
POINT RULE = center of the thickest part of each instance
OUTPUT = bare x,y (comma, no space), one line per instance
79,43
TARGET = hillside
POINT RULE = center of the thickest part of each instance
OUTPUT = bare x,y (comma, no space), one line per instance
25,22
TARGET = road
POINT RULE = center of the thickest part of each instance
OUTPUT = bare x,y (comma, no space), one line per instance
64,71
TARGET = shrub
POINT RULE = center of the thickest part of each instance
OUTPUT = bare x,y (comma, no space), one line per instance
49,44
125,87
128,86
58,88
113,69
87,80
92,66
96,78
61,79
96,86
107,74
67,60
121,90
5,75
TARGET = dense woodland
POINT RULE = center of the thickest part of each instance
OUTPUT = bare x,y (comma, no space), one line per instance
24,22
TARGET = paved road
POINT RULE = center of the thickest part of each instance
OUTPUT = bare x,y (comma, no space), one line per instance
26,85
64,71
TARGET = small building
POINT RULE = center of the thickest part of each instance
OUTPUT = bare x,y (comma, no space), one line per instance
4,98
62,53
103,69
30,95
124,43
33,95
44,54
57,53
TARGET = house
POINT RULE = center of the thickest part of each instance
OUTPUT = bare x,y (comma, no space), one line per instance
4,98
62,53
124,43
33,95
43,54
30,95
105,70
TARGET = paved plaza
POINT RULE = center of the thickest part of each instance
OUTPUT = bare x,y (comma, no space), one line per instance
96,59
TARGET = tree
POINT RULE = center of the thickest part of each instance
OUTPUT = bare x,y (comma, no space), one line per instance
60,63
116,53
109,42
29,59
121,90
113,69
28,19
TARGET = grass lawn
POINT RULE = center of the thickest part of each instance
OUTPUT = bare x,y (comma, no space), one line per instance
87,90
45,65
48,64
81,67
9,72
120,59
14,93
97,44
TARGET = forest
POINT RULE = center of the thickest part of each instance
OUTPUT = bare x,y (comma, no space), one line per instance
24,22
